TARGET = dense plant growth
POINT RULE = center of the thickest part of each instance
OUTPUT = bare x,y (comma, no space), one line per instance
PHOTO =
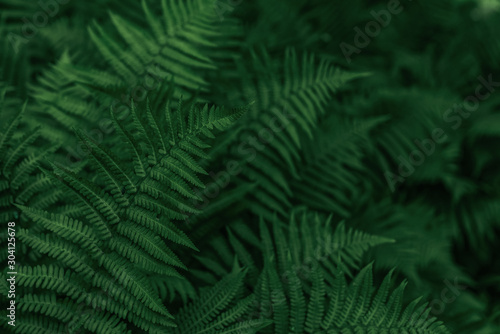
288,166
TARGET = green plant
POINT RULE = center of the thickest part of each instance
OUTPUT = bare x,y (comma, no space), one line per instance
200,166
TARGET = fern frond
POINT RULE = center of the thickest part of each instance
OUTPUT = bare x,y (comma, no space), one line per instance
289,100
175,46
124,230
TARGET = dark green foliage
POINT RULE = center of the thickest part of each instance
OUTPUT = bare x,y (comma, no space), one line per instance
235,166
125,211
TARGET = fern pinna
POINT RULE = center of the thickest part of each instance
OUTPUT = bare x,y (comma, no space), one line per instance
125,229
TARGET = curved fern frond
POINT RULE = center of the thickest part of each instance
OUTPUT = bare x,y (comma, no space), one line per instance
179,44
124,231
287,103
